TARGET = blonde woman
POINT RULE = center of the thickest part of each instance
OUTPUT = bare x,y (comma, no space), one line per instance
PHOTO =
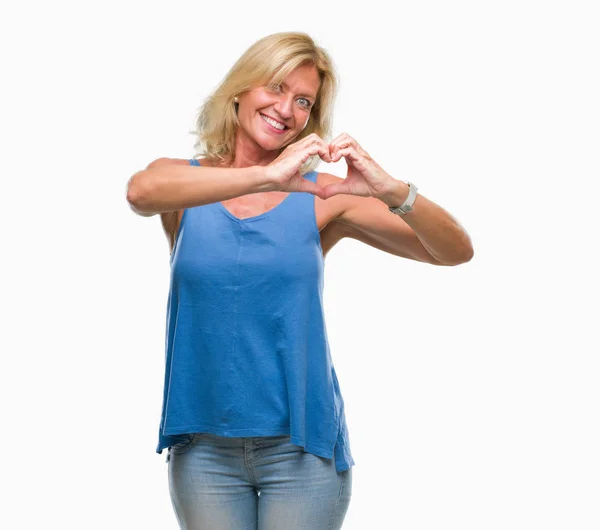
253,416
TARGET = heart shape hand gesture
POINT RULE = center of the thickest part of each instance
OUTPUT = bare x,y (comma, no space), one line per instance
364,178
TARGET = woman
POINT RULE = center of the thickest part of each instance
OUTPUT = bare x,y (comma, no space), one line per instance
253,415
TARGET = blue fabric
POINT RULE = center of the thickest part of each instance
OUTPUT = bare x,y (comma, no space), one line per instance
246,344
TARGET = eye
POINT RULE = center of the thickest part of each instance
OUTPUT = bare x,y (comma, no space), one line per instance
307,103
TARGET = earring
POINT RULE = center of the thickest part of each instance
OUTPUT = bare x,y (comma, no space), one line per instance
235,99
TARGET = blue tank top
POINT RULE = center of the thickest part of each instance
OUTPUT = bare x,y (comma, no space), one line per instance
246,343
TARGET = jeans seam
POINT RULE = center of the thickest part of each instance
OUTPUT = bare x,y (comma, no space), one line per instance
337,501
249,462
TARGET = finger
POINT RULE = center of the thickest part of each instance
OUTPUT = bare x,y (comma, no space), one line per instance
345,141
312,140
347,151
333,144
335,189
324,152
324,149
321,150
314,137
311,187
338,138
305,142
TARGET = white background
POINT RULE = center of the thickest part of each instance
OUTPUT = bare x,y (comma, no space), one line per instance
471,392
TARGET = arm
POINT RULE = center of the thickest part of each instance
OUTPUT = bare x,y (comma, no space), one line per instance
428,233
169,185
438,231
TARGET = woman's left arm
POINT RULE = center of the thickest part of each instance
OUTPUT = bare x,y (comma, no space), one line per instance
427,230
428,226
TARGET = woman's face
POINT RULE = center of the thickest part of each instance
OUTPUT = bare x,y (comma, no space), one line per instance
289,104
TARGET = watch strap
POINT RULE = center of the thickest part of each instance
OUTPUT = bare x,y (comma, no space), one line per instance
407,205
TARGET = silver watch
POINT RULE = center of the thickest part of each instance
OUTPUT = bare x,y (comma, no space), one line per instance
407,206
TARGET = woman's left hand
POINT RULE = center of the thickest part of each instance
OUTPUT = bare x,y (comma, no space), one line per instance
365,177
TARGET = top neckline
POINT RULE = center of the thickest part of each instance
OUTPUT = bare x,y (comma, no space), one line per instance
254,217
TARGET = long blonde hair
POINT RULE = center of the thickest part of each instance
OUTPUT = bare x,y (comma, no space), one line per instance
268,60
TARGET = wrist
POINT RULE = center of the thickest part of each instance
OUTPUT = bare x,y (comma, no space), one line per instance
263,181
396,194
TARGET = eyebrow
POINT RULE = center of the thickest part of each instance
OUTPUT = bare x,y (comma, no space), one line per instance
305,95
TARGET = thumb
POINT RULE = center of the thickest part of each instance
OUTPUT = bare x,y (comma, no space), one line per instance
335,189
308,186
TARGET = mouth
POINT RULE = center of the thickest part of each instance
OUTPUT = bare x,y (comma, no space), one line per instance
267,119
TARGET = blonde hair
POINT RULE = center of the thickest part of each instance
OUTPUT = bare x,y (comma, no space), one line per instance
268,60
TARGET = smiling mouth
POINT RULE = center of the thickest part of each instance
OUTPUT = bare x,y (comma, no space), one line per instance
285,127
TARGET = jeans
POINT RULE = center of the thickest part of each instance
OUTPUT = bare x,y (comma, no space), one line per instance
257,483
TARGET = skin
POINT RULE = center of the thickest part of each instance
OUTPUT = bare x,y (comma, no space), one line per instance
256,145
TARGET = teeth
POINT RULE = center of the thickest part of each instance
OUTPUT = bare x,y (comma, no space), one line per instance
273,122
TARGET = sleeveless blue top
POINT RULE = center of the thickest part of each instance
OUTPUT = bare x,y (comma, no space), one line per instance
246,343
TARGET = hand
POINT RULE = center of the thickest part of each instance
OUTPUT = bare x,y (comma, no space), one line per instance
365,177
284,172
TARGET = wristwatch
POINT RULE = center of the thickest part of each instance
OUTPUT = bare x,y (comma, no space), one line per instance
407,206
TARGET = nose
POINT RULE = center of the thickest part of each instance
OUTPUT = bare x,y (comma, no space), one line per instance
284,107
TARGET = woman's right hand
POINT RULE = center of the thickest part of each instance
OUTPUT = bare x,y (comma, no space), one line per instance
284,172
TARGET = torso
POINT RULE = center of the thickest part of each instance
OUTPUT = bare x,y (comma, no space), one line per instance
326,211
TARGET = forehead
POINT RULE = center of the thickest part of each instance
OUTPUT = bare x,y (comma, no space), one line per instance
306,75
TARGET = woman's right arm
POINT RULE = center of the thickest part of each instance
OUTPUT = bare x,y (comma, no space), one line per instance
168,185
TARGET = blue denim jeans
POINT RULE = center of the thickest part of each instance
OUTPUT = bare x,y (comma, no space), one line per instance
257,483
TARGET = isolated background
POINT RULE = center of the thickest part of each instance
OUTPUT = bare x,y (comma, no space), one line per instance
471,392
